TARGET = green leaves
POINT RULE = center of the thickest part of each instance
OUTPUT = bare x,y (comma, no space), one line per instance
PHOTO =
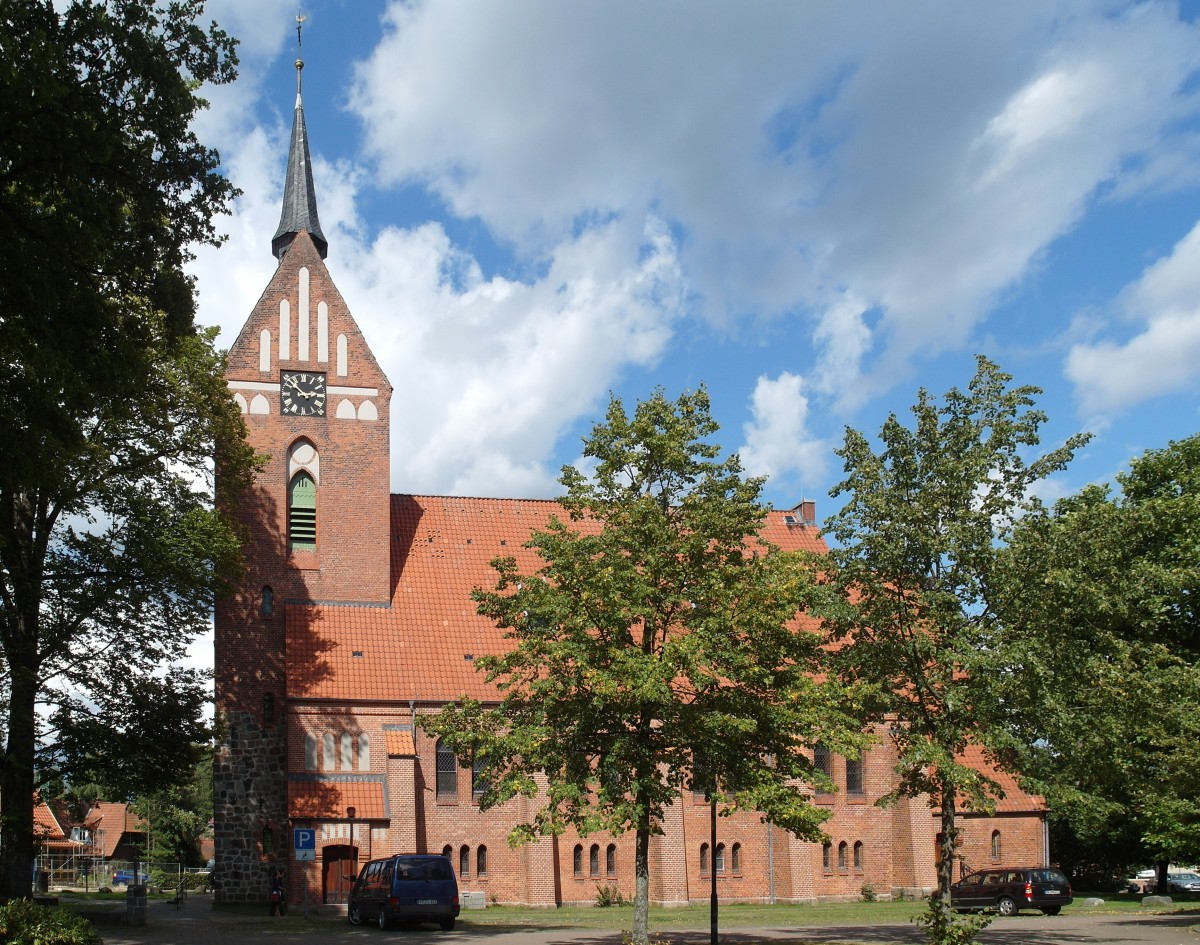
655,647
913,585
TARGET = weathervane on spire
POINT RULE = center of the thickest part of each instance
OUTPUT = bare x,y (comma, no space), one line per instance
300,18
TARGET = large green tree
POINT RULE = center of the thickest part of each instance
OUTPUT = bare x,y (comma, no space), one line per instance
913,568
112,403
654,650
1103,588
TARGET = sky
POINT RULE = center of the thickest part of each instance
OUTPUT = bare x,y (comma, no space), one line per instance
813,209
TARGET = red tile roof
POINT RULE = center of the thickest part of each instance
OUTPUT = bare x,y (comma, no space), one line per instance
424,645
330,799
109,822
45,824
1015,800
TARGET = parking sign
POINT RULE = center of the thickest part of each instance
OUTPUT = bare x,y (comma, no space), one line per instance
304,840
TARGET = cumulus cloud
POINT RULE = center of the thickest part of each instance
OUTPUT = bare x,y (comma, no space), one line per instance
919,159
866,180
1163,357
778,443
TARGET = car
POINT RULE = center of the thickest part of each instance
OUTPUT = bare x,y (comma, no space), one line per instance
405,888
1183,882
126,877
1011,889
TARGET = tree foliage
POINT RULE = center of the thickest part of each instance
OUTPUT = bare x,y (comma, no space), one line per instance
111,400
655,650
914,567
1103,588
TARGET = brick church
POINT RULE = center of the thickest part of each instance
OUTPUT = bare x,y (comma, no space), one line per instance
354,621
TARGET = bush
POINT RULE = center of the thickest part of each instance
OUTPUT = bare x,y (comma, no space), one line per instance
24,922
868,893
609,896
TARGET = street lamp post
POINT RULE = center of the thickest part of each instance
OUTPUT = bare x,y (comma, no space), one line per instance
350,812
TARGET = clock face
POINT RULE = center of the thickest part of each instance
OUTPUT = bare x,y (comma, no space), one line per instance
302,393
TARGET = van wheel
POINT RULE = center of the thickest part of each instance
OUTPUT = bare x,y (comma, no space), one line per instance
353,914
1007,906
1052,910
447,925
383,919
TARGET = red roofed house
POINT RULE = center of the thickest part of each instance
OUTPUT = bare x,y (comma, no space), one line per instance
354,621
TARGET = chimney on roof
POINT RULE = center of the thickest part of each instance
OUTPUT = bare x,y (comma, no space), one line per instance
806,511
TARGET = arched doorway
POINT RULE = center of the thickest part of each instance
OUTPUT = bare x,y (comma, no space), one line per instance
339,867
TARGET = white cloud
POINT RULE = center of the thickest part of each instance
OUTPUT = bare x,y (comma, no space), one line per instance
919,159
1164,356
778,443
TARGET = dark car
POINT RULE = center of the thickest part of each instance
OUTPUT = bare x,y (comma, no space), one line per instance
1010,890
405,887
1183,882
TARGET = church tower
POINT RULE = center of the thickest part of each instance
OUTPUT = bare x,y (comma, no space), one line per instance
317,518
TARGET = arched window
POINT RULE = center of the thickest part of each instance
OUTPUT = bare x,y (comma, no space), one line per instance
347,746
854,776
823,760
464,861
447,772
719,858
364,752
594,860
735,856
302,512
610,860
310,752
481,861
996,845
478,784
327,756
858,854
704,859
447,851
266,603
842,855
268,709
825,857
268,840
577,859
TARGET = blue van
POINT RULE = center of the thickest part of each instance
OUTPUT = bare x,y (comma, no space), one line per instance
405,888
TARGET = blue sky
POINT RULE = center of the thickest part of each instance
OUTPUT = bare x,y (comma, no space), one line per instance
813,209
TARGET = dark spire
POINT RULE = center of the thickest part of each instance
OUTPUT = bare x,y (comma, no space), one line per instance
299,196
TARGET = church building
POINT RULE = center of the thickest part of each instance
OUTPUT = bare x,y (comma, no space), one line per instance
353,622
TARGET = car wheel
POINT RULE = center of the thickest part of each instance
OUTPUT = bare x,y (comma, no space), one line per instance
1006,906
354,914
383,919
447,925
1052,910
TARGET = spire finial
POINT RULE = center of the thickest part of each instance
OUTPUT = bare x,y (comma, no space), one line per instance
300,18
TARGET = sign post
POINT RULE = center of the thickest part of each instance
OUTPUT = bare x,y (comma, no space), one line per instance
304,842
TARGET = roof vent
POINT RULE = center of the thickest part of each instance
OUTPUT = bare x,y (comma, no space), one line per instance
469,656
790,520
358,653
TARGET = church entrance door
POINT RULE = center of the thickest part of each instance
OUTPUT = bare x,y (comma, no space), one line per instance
339,867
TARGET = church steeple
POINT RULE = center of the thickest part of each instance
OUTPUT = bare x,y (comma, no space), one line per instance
299,195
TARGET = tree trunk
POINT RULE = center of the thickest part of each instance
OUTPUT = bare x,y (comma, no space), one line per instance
949,837
641,873
16,788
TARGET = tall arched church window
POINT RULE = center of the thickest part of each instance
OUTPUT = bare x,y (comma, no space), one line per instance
364,752
266,605
302,512
447,772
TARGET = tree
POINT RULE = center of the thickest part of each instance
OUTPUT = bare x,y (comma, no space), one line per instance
912,577
1103,589
111,401
656,649
178,816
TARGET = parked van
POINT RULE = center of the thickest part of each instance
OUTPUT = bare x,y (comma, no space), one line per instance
405,888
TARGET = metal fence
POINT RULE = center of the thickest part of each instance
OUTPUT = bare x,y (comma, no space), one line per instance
80,871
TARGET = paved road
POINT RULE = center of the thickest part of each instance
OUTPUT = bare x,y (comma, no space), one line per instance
196,924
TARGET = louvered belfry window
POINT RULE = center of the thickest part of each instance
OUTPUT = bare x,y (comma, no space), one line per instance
302,512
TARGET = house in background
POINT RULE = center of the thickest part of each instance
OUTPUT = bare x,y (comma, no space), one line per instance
353,622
